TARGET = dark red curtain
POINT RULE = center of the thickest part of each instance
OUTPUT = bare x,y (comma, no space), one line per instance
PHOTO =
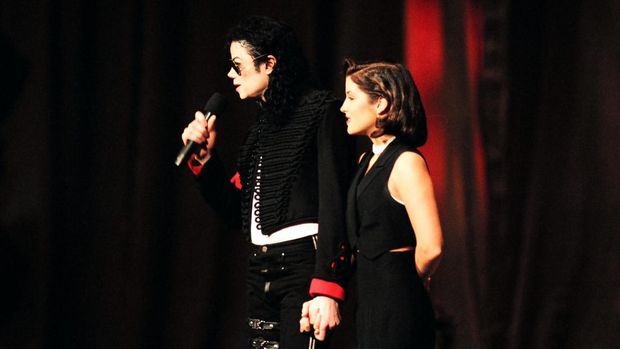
521,114
443,47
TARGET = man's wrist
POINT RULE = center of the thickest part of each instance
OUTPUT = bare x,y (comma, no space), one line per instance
195,165
329,289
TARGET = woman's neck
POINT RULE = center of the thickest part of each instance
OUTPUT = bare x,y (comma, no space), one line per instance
381,140
380,143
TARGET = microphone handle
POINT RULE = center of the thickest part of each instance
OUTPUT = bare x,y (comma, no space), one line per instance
189,148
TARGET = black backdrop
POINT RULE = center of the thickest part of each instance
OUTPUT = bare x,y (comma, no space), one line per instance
105,244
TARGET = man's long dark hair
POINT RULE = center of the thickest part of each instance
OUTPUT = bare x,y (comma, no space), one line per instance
291,74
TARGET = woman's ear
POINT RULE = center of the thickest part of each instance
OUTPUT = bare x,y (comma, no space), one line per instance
270,64
381,106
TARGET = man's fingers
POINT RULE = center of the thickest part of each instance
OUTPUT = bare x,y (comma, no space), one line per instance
315,320
200,117
324,324
305,308
313,314
305,322
319,329
304,325
318,333
320,336
211,122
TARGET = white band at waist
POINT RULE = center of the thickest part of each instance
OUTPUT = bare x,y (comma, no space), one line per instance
285,234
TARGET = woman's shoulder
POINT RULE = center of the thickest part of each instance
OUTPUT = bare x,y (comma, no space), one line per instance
409,163
404,147
410,156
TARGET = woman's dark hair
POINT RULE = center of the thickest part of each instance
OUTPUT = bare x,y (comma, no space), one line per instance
404,115
291,74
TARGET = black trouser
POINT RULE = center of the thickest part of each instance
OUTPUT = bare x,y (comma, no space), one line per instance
278,281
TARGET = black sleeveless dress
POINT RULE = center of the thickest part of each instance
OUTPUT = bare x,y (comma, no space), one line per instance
393,309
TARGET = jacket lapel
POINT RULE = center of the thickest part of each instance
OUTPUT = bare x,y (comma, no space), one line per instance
376,167
352,199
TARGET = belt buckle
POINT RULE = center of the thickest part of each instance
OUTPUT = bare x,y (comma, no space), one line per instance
258,324
261,343
255,324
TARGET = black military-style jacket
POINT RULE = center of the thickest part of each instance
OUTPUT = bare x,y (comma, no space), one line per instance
305,168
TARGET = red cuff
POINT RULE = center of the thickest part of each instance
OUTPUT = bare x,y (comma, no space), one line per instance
320,287
194,168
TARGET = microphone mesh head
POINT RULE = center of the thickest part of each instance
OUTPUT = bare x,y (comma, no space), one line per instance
215,104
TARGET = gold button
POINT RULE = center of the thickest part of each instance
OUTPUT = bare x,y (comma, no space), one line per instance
263,249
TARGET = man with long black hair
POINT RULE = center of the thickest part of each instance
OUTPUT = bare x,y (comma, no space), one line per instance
289,194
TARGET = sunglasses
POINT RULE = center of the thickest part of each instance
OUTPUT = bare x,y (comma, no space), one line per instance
238,68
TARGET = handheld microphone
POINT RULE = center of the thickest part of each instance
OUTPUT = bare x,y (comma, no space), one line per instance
215,106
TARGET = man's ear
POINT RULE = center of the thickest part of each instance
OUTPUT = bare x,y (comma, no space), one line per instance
381,106
270,64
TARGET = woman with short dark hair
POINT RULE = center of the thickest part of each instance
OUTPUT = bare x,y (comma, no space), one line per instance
392,219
